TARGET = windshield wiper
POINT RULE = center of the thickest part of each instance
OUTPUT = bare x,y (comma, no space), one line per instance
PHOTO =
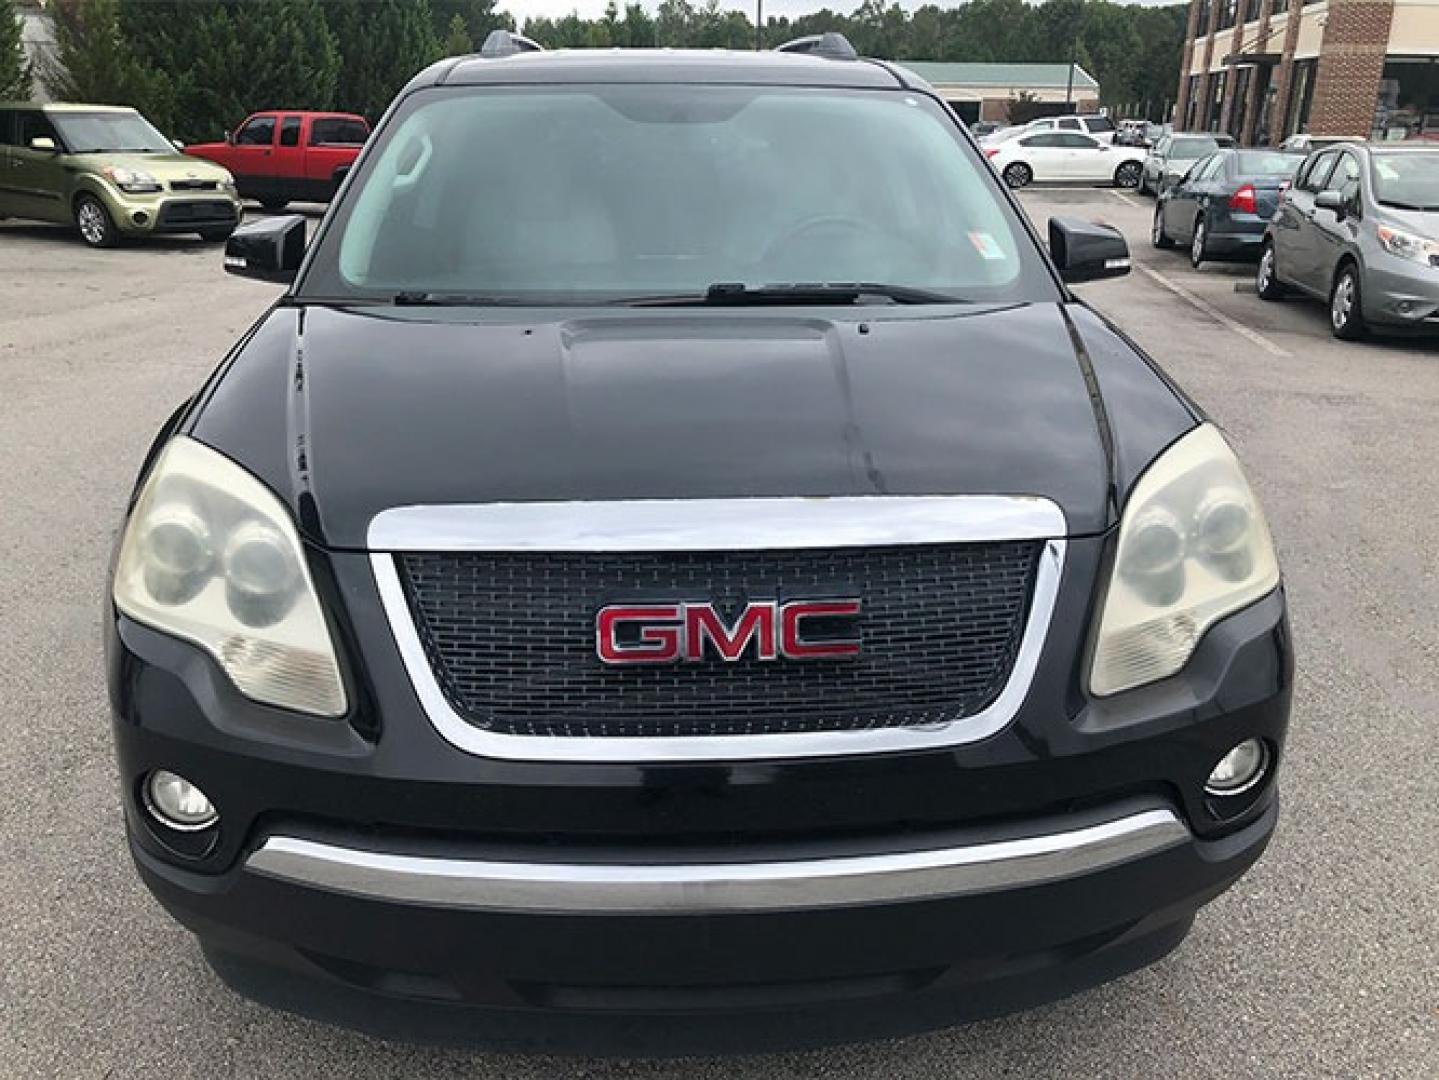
445,299
1394,204
737,294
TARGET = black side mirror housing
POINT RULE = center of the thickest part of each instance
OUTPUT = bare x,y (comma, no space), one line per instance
269,250
1087,250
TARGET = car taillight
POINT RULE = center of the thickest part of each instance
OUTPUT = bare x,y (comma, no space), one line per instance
990,152
1243,200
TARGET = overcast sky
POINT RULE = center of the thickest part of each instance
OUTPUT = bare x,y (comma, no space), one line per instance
522,9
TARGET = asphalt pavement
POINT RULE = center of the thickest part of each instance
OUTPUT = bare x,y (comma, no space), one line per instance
1322,962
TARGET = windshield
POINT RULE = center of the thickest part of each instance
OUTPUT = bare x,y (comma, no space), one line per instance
1267,163
109,132
1408,179
611,193
1189,149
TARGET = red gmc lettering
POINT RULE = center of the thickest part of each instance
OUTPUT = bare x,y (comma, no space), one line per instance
792,641
659,638
669,632
756,622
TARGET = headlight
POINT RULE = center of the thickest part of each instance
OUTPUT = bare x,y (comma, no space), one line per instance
210,555
131,180
1193,548
1407,245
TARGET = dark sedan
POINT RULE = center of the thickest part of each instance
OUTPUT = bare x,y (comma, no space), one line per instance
1221,206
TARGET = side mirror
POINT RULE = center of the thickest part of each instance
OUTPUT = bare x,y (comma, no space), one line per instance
1331,200
1087,250
44,144
229,138
177,144
269,250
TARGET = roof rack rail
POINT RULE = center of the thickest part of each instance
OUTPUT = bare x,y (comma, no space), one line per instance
508,43
832,45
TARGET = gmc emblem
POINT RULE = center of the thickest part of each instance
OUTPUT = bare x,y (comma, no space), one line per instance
668,633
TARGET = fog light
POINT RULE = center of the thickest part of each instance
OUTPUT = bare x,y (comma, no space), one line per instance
1239,770
139,217
178,804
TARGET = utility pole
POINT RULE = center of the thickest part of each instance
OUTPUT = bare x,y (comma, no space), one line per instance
1073,52
759,25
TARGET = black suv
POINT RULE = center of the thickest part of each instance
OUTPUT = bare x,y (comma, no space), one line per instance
678,568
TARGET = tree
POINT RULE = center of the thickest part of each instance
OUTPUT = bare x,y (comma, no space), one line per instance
15,69
457,39
383,44
94,63
1024,107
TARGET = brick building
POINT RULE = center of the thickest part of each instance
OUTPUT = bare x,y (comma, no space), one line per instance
1266,69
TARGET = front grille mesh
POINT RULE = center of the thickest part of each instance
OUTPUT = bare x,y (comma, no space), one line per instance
511,638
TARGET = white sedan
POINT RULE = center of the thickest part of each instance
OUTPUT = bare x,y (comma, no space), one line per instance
1065,157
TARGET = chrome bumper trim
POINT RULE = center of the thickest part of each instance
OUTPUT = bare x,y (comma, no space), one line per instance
712,888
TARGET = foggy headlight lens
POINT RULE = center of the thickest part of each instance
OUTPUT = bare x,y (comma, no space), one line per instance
1193,548
210,555
131,180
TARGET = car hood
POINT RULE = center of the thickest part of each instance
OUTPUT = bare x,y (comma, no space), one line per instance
349,412
164,167
1421,222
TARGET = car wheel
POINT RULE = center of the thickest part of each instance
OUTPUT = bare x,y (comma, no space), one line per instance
1157,236
1018,175
1127,175
1197,244
216,236
274,205
1346,313
1143,183
94,222
1266,281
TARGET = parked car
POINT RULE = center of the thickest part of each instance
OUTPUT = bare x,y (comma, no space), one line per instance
1220,207
980,128
110,173
1360,229
1066,157
289,156
1131,133
1096,125
1307,143
1171,157
721,586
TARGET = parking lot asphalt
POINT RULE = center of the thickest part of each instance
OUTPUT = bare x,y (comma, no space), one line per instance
1324,961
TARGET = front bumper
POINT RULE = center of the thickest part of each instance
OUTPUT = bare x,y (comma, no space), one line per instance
779,902
1399,293
148,215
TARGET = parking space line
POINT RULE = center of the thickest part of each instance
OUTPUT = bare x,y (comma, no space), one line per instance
1212,311
1122,196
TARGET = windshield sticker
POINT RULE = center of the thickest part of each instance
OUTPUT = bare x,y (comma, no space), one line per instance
986,245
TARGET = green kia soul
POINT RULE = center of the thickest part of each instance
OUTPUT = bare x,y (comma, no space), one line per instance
110,173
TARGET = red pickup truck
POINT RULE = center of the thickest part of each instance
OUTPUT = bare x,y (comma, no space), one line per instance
285,155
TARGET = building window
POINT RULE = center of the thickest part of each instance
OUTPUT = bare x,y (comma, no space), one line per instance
1216,101
1251,10
1242,76
1279,7
1202,29
1228,13
1408,105
1301,96
1192,108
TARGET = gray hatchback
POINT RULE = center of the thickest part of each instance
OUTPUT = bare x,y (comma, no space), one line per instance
1360,229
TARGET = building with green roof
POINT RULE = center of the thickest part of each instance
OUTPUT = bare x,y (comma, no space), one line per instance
983,91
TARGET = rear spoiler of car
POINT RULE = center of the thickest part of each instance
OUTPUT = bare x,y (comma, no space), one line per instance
507,43
831,45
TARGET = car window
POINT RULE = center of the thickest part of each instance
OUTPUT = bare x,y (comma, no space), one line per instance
1344,177
1205,168
337,131
1407,179
1317,173
1161,146
1050,140
610,192
1070,125
34,125
290,131
1100,123
1079,142
1266,163
1187,149
258,132
109,131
